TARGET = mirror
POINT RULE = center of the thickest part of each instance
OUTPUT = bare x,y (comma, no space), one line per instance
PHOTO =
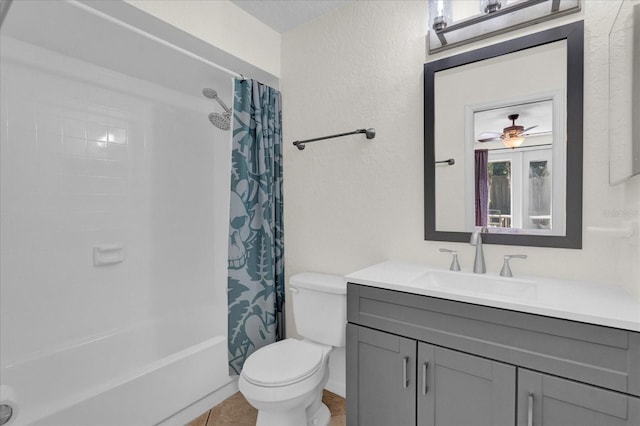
510,117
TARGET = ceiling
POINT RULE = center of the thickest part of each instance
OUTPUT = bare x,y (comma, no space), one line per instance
285,15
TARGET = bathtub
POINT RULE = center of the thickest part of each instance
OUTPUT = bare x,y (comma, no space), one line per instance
141,375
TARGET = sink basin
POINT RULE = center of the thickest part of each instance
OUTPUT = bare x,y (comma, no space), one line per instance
476,284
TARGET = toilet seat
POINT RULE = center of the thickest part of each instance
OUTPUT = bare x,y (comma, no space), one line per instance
283,363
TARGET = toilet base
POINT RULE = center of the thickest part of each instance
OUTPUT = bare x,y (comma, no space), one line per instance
296,417
312,415
321,417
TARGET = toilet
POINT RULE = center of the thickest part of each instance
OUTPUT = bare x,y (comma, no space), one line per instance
284,380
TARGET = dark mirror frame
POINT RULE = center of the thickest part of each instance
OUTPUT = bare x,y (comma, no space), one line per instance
574,35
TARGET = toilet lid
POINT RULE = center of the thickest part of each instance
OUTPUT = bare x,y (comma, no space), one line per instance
282,363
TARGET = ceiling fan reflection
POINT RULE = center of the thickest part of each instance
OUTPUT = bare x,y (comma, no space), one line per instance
514,133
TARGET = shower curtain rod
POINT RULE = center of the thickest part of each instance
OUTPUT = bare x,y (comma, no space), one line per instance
154,38
371,133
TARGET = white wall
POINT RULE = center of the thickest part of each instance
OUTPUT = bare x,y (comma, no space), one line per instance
222,24
352,202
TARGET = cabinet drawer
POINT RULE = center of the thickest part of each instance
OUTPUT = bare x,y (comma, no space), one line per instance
603,356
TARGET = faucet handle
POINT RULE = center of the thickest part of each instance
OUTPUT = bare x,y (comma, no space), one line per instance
506,269
455,266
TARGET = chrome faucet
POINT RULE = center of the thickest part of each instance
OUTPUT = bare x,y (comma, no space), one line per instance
479,266
506,269
455,266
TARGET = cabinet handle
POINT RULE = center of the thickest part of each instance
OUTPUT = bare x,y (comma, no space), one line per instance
425,387
530,411
405,377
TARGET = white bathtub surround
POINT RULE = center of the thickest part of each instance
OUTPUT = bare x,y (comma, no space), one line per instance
106,150
132,369
191,412
573,300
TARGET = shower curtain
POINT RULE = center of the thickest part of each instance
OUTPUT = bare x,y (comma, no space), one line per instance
256,241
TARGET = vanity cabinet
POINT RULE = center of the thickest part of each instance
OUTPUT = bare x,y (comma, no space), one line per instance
402,381
420,360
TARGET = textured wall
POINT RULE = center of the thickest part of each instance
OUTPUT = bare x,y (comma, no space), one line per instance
352,202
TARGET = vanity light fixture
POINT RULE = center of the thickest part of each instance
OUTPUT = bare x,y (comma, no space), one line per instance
490,6
450,24
440,13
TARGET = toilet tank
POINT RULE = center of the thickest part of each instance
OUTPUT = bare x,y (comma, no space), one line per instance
320,307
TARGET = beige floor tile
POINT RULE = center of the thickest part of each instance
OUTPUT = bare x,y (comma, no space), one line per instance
335,403
236,411
233,411
340,420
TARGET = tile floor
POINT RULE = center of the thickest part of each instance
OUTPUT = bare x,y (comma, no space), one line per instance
236,411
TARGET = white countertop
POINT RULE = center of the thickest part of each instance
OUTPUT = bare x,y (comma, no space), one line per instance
609,306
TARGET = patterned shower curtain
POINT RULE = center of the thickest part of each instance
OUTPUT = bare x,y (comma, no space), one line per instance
255,285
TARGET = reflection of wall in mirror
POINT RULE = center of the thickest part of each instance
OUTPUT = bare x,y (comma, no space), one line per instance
518,75
624,93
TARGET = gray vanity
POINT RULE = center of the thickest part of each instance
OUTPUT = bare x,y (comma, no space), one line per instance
423,349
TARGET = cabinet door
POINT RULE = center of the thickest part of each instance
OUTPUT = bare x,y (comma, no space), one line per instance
457,389
381,385
551,401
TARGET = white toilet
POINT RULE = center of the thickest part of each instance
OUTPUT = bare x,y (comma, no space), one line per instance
284,380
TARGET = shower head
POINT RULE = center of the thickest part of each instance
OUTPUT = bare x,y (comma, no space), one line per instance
212,94
221,121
